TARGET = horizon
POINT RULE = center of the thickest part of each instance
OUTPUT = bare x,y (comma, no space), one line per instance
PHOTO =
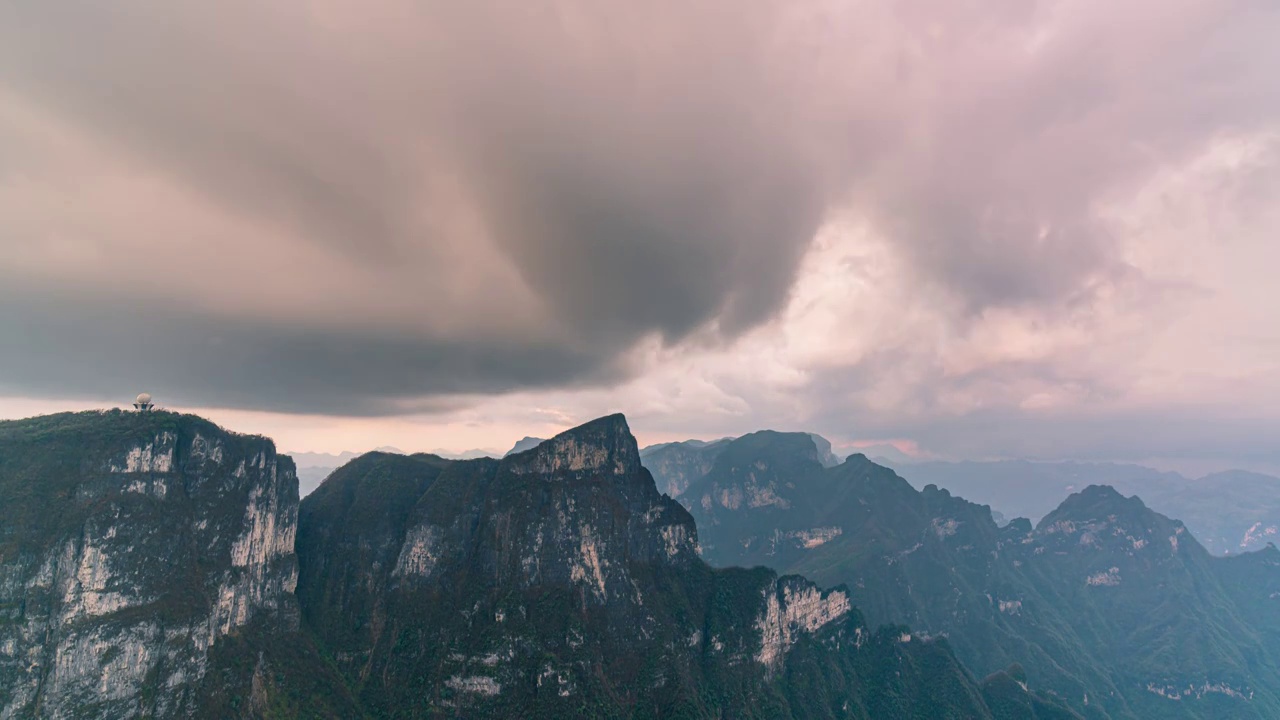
874,450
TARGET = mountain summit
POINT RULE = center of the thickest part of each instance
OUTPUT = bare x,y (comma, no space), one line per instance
525,443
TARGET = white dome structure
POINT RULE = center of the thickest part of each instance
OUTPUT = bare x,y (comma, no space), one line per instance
143,403
144,398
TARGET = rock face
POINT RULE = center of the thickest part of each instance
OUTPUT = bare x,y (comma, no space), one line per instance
1112,606
136,552
746,500
675,465
825,455
560,582
148,569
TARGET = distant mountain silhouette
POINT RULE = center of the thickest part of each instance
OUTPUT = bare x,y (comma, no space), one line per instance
525,443
1228,512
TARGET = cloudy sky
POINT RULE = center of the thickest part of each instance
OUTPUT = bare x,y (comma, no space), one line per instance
969,228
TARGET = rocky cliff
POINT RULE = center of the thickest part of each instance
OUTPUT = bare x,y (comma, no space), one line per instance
559,582
146,567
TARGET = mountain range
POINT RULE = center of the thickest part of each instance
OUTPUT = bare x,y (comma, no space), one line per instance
1228,512
155,565
1112,606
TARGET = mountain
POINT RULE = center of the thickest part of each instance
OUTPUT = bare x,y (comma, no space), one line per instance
327,460
1228,512
313,467
524,443
1253,579
309,478
558,582
472,454
675,465
154,565
1107,603
147,569
1023,488
1157,606
823,445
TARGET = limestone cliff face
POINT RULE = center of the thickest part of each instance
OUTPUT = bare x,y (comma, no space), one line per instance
793,607
578,511
131,547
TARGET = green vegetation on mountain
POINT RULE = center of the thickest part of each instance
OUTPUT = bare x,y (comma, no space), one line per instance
1111,606
560,582
148,570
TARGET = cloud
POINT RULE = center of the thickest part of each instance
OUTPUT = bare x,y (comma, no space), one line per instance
501,189
887,212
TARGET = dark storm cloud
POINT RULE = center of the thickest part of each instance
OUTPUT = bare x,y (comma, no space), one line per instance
356,207
108,351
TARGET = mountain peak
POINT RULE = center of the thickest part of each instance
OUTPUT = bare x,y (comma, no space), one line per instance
1101,494
604,445
1097,501
775,445
528,442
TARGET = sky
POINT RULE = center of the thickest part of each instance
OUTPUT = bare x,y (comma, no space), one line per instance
963,228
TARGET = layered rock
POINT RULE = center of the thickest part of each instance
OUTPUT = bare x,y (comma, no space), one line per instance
794,607
133,546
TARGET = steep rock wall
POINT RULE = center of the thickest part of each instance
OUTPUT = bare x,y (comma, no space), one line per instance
132,545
